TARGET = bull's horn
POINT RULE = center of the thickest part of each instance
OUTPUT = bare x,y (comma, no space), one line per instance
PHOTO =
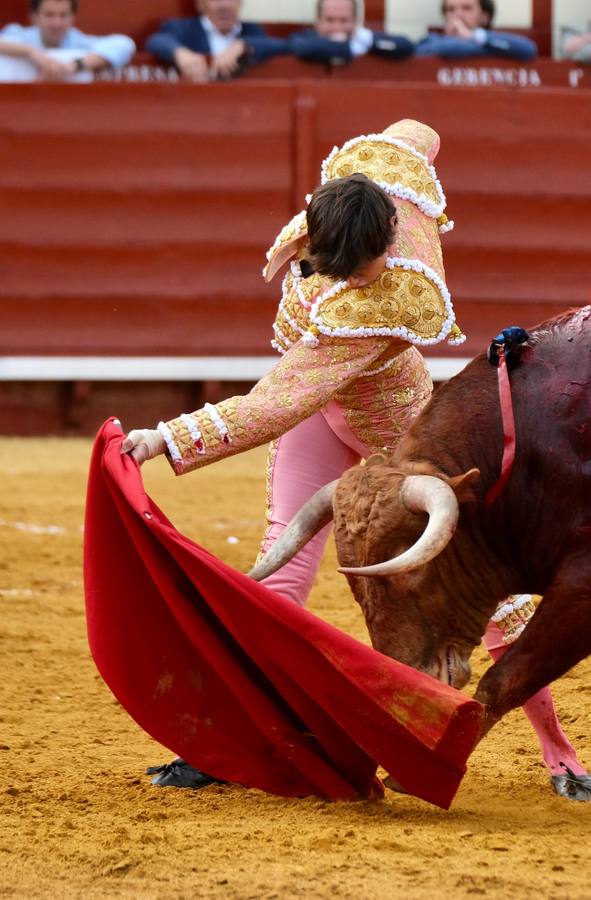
421,493
314,515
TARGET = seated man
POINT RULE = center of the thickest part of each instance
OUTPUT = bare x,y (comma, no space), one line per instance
51,49
467,32
337,37
576,44
215,45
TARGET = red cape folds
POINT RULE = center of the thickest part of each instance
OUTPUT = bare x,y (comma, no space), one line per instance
243,683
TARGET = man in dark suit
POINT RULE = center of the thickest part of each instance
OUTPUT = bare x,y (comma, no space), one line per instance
213,45
338,38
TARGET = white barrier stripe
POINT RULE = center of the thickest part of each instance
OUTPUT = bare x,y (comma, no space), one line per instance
167,368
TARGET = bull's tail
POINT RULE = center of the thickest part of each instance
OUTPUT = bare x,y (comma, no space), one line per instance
314,515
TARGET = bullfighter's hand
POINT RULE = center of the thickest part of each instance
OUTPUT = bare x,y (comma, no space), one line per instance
143,444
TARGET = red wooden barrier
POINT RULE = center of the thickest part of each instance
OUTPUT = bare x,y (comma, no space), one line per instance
139,215
131,215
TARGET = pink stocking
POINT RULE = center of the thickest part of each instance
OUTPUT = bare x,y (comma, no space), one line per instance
301,462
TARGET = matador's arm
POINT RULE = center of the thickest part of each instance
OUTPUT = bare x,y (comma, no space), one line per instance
302,382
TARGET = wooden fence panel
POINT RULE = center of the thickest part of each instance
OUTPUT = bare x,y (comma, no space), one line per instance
137,216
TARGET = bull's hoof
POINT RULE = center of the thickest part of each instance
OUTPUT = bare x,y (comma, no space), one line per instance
571,786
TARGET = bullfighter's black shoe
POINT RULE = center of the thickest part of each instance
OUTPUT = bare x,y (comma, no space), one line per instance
179,773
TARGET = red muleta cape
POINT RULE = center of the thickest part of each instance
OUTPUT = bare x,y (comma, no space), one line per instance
243,683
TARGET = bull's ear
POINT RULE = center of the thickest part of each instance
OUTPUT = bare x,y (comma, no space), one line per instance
464,486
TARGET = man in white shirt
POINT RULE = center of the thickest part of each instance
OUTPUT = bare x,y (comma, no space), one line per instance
51,49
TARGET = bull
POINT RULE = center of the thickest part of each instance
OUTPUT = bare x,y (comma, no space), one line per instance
426,557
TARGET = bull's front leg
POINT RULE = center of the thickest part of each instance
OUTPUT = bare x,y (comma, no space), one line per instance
557,637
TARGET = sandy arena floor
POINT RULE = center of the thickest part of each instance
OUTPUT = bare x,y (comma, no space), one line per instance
79,819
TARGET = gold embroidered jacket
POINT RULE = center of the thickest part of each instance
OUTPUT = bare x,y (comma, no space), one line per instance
345,351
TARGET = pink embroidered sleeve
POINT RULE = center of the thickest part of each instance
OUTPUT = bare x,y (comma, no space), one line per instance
302,382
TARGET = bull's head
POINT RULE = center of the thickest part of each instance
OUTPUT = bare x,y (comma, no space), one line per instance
398,522
392,526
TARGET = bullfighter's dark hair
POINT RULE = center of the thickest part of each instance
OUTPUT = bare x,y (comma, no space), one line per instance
350,223
353,3
35,5
487,7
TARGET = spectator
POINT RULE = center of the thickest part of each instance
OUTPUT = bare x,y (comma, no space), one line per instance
51,49
215,45
576,44
338,38
467,32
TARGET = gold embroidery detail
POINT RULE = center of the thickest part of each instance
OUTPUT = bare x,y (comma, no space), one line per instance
297,226
404,397
385,162
414,302
183,438
312,286
456,333
340,353
517,611
209,433
228,410
269,484
291,306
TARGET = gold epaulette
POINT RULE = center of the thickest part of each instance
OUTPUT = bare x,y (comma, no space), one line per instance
408,300
395,165
285,245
